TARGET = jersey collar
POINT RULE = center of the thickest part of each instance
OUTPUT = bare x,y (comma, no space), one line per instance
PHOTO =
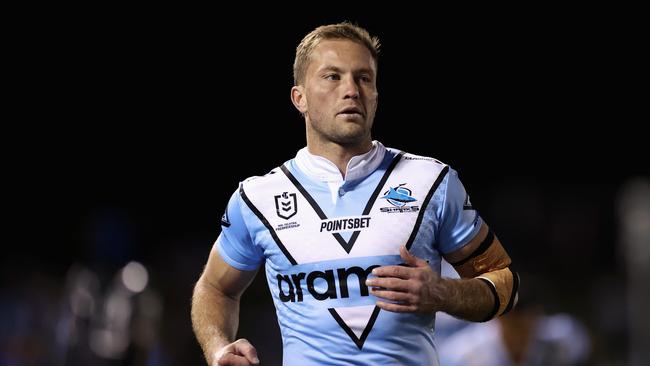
360,166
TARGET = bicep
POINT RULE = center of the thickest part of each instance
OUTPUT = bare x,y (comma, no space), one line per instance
225,278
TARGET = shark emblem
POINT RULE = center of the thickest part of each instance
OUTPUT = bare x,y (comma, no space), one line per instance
398,196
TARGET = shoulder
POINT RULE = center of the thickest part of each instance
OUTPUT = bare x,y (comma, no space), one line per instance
257,182
416,159
421,163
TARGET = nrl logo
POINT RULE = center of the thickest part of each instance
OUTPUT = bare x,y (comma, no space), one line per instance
286,205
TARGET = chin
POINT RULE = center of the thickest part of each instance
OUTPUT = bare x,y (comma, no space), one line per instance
355,138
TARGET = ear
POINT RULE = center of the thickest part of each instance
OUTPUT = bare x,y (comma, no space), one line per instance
298,99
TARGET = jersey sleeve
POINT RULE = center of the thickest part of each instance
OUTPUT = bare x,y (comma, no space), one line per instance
234,243
460,222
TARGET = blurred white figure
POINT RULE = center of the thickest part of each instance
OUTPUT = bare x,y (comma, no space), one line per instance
524,337
119,324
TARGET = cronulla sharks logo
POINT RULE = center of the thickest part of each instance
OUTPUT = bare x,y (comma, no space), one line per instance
399,197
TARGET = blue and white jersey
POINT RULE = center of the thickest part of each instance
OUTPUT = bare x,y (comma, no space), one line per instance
320,236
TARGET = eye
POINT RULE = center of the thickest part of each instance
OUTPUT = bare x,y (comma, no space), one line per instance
332,77
365,78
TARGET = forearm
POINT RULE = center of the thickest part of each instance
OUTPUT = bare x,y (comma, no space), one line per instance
485,263
215,318
469,299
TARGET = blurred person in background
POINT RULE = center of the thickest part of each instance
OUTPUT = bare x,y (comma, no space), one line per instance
351,233
527,336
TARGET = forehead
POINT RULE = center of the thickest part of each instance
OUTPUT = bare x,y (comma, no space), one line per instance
341,53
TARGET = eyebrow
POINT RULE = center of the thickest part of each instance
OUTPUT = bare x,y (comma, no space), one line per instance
340,71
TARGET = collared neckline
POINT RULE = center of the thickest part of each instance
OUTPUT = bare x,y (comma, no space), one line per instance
359,166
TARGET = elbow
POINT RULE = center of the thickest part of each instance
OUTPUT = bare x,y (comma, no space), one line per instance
205,287
504,286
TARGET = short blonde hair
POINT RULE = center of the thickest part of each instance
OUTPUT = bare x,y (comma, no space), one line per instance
345,30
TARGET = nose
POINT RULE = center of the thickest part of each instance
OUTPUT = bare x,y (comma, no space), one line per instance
351,89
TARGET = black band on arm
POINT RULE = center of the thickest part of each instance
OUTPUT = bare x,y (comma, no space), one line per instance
485,244
513,295
497,303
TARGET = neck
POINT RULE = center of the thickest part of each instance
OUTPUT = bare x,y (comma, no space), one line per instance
338,154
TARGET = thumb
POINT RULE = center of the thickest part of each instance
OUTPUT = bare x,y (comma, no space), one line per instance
410,259
244,348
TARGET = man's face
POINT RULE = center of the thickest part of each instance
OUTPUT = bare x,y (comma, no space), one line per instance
340,93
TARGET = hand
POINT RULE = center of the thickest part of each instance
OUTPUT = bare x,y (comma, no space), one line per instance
238,353
415,288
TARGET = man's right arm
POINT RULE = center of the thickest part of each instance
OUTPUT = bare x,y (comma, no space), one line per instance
215,313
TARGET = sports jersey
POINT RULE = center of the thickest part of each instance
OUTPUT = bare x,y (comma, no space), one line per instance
319,237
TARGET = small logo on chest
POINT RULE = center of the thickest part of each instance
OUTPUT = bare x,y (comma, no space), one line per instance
286,205
398,197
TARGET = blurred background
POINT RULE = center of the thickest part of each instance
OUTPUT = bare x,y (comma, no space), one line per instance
132,129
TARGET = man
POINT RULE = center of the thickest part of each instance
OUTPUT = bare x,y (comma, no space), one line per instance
351,233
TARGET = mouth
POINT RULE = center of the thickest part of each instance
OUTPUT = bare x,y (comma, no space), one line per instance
351,111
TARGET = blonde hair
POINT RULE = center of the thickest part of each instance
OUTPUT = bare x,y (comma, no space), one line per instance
344,30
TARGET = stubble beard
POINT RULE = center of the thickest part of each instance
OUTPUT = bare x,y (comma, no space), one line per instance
343,136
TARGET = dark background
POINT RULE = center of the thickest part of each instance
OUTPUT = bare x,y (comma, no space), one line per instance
135,128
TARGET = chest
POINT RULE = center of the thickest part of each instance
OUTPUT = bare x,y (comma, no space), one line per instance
300,223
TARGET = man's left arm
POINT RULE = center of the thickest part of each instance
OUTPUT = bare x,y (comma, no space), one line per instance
487,287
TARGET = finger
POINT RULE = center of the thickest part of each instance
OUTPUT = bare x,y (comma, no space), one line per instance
410,259
393,271
403,297
397,308
231,359
243,347
389,283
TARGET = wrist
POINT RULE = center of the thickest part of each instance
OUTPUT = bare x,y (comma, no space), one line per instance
449,294
216,349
